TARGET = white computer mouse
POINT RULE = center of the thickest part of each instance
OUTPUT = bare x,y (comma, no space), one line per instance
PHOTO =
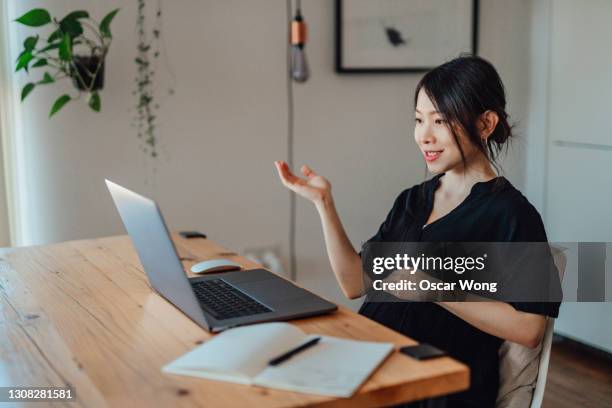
215,265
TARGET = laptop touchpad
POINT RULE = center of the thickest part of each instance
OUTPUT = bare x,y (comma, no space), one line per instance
276,290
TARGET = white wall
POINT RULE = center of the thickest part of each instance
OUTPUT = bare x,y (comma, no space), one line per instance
574,180
6,94
226,124
538,103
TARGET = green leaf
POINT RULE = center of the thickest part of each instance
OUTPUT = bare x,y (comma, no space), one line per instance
47,79
40,63
35,18
24,60
50,47
105,23
76,15
30,43
71,27
22,54
26,90
65,48
56,35
94,101
140,61
59,104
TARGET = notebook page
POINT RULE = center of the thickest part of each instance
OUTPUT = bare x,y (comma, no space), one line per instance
237,354
334,366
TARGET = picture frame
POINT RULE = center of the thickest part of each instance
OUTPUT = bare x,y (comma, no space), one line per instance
402,36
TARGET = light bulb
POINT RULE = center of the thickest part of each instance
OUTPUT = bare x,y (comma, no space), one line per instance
299,62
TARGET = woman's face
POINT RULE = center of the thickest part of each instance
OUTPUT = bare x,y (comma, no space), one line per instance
435,139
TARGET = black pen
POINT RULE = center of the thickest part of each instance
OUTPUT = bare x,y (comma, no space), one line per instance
286,356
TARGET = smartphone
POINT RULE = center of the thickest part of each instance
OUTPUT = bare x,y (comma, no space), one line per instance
422,351
192,234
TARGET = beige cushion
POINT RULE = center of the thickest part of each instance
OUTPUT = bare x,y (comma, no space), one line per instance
519,365
518,373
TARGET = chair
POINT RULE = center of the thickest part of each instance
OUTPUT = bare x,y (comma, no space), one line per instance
538,392
523,371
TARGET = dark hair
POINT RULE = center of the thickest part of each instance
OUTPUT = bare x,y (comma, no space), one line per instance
462,90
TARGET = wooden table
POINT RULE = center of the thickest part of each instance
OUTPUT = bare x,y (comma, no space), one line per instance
83,313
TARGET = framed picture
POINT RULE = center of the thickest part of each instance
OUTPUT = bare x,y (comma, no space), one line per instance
382,36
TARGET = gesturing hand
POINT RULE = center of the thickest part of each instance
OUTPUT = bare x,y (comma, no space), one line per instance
314,187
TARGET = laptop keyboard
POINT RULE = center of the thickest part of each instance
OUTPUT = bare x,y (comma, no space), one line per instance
224,301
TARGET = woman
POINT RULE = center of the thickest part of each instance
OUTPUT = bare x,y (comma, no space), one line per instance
460,127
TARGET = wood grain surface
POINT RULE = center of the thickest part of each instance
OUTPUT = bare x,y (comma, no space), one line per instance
82,313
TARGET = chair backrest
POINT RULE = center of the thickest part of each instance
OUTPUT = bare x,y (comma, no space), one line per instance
523,370
538,393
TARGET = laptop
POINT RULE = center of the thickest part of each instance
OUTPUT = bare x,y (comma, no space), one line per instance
214,301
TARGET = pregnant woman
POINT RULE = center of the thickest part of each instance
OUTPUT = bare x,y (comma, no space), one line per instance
460,127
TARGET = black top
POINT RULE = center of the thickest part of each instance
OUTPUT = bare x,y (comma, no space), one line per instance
494,211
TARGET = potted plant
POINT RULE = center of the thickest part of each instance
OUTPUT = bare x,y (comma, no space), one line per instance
75,49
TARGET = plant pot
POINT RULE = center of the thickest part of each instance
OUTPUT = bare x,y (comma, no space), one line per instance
86,66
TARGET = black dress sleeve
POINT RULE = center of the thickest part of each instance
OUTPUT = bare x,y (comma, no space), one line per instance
388,230
394,217
526,226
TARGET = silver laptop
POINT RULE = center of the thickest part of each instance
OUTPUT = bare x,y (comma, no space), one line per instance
214,301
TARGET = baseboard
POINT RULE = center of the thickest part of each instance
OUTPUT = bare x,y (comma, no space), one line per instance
586,348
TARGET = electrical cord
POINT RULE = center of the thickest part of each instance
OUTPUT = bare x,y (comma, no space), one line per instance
290,132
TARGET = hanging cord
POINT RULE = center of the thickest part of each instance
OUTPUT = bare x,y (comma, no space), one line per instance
290,129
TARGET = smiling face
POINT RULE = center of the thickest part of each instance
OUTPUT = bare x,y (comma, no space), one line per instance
434,137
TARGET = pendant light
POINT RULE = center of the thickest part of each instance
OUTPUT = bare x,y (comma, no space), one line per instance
299,63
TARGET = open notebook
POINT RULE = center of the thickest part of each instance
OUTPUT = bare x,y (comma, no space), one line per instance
334,366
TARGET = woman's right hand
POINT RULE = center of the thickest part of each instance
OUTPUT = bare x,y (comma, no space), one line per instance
314,187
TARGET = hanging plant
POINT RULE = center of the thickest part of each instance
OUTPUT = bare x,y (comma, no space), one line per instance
69,52
148,51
